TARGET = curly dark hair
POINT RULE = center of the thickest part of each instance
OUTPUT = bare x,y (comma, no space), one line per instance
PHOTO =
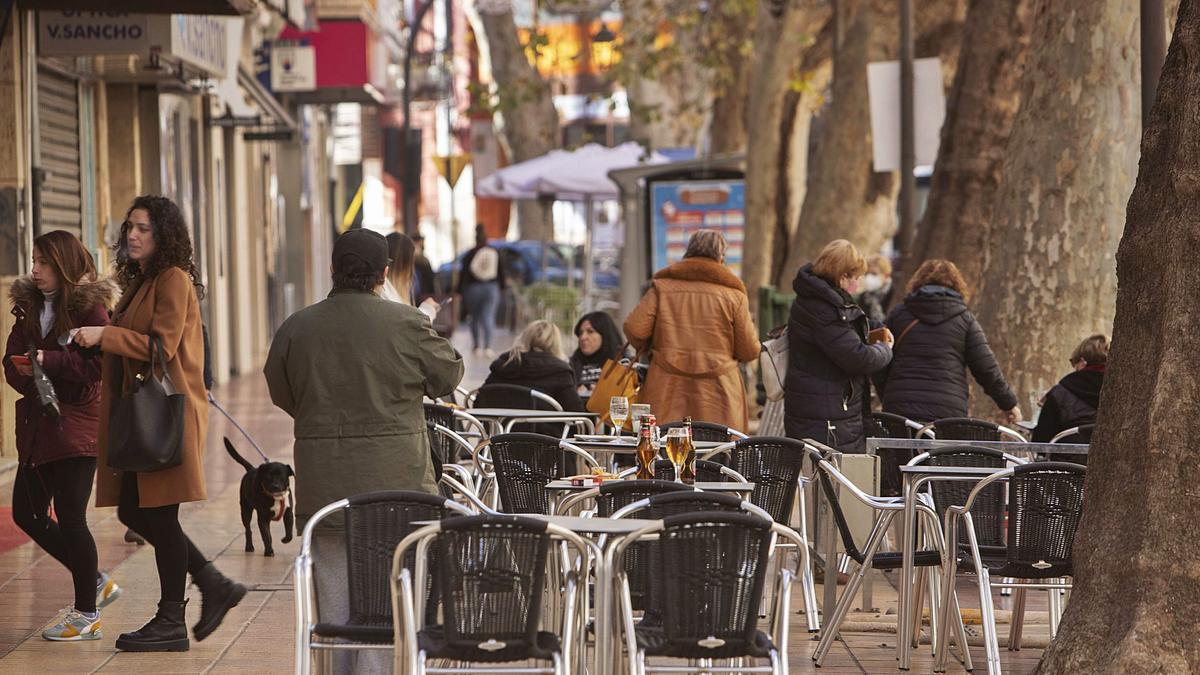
172,244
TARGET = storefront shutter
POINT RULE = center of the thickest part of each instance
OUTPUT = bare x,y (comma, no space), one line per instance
60,205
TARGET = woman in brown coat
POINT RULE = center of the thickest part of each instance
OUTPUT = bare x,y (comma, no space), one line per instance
161,298
695,322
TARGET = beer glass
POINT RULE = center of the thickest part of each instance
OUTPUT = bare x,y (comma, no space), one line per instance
618,412
677,450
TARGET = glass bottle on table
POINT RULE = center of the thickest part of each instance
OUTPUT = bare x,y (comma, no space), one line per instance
689,463
646,452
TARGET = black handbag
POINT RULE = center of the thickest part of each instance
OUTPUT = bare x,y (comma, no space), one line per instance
145,425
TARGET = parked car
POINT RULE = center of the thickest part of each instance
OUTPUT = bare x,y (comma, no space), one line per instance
522,261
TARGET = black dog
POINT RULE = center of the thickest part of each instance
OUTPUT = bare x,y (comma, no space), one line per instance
263,491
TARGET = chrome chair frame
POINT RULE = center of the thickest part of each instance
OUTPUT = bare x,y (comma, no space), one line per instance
779,615
991,639
1005,432
407,606
886,509
304,585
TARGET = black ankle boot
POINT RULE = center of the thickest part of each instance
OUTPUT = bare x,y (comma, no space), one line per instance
166,632
218,595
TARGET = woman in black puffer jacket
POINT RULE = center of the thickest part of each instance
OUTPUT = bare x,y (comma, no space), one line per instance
937,341
826,391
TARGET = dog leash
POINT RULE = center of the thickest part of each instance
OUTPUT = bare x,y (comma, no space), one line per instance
213,402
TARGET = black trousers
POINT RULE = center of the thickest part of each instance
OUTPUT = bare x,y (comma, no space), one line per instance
67,483
174,554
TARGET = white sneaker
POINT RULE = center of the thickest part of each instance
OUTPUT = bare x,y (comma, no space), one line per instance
74,626
107,591
489,354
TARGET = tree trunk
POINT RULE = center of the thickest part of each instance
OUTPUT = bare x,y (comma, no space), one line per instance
728,132
1048,277
526,118
788,79
980,110
1133,607
670,92
847,198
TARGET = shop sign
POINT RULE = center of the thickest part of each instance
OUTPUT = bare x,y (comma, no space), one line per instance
77,33
293,68
199,40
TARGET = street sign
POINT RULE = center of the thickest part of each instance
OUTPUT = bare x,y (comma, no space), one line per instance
293,68
929,103
451,167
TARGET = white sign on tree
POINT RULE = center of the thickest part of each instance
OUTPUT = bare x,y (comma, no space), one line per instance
929,111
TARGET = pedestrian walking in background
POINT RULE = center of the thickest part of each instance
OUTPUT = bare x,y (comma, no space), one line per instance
154,266
695,323
938,341
400,285
876,289
599,340
1076,398
351,371
480,282
57,455
535,361
424,283
826,390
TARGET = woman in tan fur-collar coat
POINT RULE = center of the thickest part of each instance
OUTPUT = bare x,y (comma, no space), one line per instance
695,323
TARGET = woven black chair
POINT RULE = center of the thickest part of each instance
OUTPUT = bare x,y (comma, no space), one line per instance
493,570
707,471
774,465
524,463
989,510
968,429
373,524
706,431
517,397
1045,505
869,556
710,572
615,495
887,425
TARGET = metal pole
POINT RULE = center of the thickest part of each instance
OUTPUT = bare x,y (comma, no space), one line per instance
589,272
1154,51
908,153
411,184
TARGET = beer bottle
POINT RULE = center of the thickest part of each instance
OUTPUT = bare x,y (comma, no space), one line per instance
688,475
645,450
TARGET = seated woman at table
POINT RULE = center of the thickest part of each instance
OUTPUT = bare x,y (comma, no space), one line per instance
1074,400
830,354
937,341
695,322
599,341
535,361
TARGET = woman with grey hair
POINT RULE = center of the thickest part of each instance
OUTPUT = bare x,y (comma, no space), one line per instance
695,322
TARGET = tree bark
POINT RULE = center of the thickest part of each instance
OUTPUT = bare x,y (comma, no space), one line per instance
980,110
788,78
670,94
527,121
847,198
728,131
1133,607
1048,278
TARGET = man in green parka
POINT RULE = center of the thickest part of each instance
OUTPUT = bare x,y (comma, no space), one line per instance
351,370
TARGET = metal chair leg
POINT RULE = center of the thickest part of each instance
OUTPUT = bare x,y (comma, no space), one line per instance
1056,608
834,622
918,606
988,612
1017,627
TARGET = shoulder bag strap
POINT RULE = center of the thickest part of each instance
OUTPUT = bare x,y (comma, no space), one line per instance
905,332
